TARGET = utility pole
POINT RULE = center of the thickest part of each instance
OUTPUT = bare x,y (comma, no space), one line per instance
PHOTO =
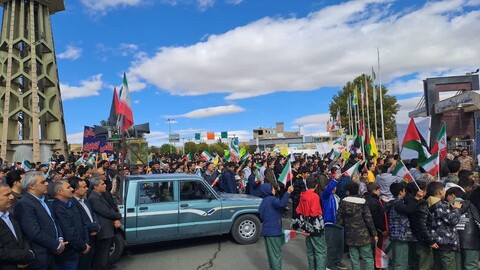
169,120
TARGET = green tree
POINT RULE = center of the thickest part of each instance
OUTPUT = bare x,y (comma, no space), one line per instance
165,148
104,123
190,147
216,147
202,147
390,106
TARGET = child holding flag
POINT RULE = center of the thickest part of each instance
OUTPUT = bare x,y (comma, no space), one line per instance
271,215
310,220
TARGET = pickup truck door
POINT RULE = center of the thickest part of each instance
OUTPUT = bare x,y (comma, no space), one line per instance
157,210
200,212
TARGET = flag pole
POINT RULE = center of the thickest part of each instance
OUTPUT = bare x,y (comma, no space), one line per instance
381,101
367,103
374,103
350,128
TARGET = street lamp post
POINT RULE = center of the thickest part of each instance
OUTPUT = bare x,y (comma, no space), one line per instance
169,120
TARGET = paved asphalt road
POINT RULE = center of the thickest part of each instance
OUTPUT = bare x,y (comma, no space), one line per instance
215,252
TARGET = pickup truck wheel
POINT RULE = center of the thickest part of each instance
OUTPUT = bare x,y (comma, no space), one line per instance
246,229
117,248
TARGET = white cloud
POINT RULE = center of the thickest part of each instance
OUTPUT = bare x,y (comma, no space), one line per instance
127,49
75,138
205,4
87,88
71,53
326,48
103,6
313,121
212,111
156,138
234,2
406,106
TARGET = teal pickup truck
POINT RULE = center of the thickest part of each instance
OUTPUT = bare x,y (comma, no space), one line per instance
164,207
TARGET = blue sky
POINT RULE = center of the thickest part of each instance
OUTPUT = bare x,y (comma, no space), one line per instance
235,65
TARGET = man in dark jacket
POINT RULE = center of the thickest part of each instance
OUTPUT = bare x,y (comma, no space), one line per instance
354,215
37,222
228,179
420,223
14,250
271,215
468,228
74,232
109,220
300,186
372,196
89,219
270,175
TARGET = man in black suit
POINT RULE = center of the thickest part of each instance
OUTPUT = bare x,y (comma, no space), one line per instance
37,223
69,218
89,218
14,250
109,220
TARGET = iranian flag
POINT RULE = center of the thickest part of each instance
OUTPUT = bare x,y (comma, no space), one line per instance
414,141
440,145
352,169
401,170
431,164
125,107
216,180
26,165
287,235
206,156
286,175
234,151
188,157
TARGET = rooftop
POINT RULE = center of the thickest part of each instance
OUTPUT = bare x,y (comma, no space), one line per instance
54,5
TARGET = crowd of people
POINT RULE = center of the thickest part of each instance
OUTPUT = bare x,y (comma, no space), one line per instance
430,222
63,215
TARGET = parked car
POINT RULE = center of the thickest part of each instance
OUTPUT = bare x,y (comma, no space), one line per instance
164,207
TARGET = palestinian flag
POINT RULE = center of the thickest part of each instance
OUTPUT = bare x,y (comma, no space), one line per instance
401,170
206,156
352,169
431,164
413,140
26,165
336,152
286,175
80,161
440,145
188,157
287,235
91,159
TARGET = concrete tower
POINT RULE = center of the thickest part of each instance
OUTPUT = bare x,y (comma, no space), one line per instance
30,103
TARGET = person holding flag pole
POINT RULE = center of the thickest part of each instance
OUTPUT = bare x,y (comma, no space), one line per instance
270,211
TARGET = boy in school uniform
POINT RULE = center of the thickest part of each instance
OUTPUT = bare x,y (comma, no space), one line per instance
271,216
